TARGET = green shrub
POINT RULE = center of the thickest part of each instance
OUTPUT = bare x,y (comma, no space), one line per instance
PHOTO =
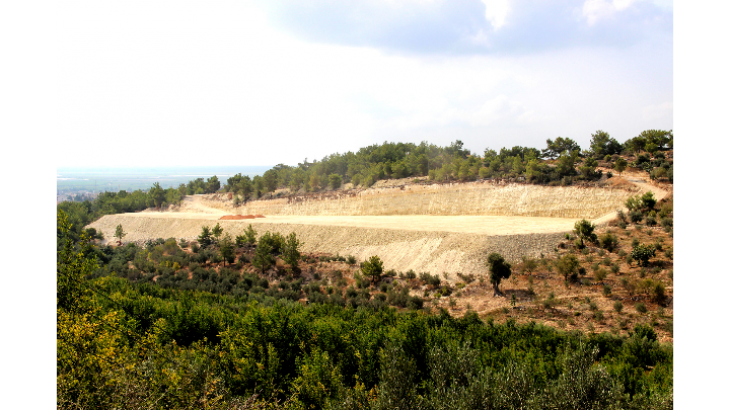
636,216
618,306
667,222
609,242
642,253
640,307
642,331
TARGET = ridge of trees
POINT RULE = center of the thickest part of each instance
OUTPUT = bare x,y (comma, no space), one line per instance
561,162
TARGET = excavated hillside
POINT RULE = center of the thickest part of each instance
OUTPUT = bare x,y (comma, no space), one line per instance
400,249
433,229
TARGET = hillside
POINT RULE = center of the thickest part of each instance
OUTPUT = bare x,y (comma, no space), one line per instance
298,297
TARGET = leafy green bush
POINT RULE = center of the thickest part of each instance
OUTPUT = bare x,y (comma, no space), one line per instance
609,242
642,253
636,216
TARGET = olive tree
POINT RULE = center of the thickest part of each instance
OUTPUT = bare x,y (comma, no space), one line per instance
567,266
498,269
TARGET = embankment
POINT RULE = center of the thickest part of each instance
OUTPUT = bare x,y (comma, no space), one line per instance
401,249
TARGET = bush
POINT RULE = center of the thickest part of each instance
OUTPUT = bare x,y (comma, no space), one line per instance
650,221
618,306
667,222
428,279
642,253
609,242
640,307
636,216
606,290
583,229
642,331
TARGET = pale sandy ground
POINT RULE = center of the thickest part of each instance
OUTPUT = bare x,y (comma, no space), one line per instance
419,242
483,225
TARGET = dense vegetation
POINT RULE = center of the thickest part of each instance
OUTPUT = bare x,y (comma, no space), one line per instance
561,162
212,336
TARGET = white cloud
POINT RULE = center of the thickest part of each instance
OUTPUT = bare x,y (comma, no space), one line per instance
142,84
496,12
594,10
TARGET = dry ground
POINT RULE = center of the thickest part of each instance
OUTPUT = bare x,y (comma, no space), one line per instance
434,243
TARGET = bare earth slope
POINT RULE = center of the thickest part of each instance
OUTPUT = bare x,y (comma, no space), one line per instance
433,243
400,249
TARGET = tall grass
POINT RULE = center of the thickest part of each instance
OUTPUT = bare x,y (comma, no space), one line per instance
455,199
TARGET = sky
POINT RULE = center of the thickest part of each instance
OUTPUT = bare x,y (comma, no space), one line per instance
174,83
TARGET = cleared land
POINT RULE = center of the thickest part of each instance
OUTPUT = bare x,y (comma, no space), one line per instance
476,198
400,249
436,228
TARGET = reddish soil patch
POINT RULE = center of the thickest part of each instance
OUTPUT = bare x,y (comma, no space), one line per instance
235,217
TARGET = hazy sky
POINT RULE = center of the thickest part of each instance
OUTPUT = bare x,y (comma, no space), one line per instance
143,83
